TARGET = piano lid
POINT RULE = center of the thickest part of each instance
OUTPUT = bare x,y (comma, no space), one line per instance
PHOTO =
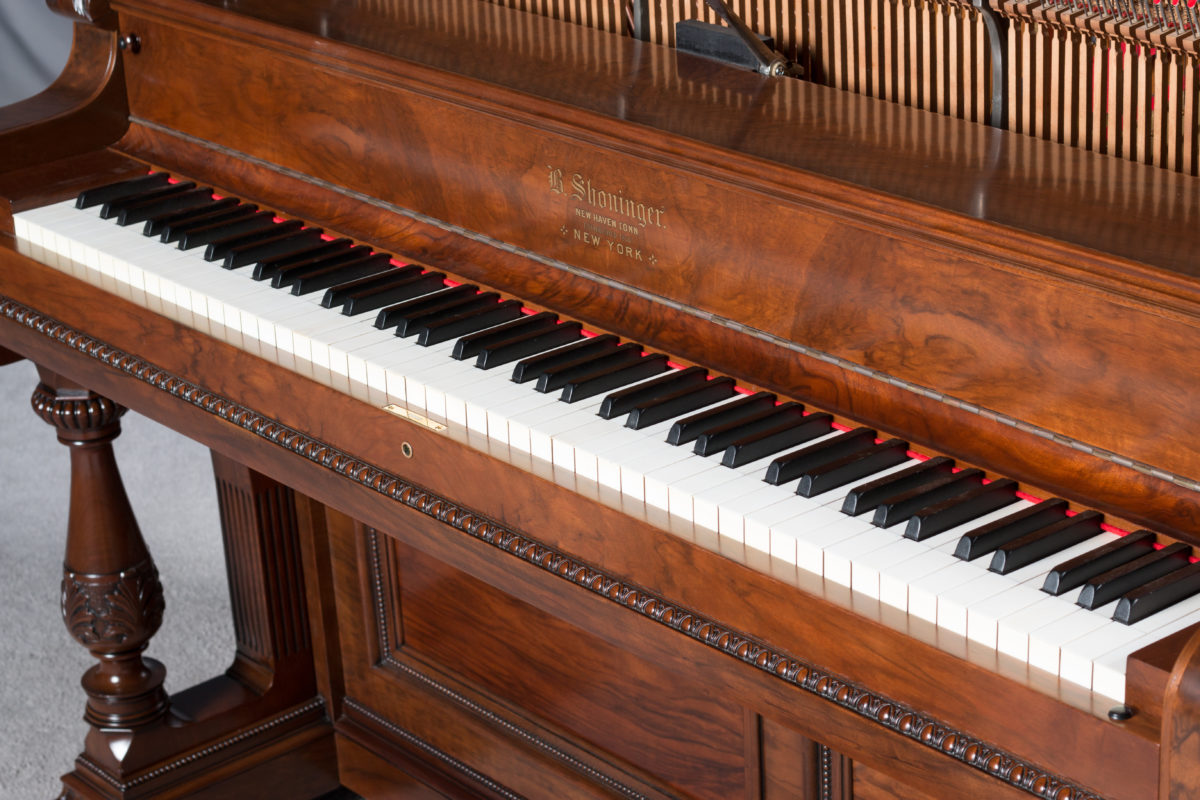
798,129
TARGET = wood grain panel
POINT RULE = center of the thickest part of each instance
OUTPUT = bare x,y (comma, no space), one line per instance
679,730
870,784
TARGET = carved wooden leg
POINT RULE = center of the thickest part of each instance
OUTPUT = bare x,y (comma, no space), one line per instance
258,731
112,601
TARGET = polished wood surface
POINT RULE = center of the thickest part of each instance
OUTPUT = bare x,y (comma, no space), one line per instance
449,623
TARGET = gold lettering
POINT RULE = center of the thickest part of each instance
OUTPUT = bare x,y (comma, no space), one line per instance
582,190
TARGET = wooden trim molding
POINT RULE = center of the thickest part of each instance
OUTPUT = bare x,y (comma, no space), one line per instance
890,714
357,709
314,708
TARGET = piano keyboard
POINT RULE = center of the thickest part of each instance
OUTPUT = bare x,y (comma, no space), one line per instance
782,488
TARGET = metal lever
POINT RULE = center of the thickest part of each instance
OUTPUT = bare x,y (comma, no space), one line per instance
769,62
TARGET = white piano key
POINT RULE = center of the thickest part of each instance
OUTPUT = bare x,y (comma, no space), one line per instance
1006,623
895,578
1108,669
865,572
1046,642
984,597
1078,657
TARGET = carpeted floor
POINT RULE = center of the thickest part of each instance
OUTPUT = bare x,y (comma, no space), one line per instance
169,482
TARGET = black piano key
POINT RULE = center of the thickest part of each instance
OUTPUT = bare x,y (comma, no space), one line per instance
316,251
337,294
286,244
558,375
680,402
472,345
391,316
281,272
622,402
225,229
175,231
413,324
532,367
165,206
1071,574
217,249
941,486
1110,585
778,437
853,467
115,208
266,269
154,225
528,344
791,466
987,538
1158,594
114,191
866,497
364,300
900,508
453,327
717,439
1045,542
607,379
690,428
319,281
971,504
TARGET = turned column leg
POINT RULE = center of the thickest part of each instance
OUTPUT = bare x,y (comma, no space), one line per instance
112,601
260,730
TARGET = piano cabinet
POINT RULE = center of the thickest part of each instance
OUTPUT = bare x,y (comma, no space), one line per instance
548,645
419,616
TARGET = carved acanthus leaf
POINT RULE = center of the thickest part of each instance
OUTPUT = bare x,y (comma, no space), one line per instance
117,611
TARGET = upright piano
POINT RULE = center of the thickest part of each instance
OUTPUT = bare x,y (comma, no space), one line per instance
593,419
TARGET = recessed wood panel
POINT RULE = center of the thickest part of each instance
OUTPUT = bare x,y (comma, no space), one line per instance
665,724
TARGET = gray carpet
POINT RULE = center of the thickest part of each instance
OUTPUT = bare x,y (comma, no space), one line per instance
170,484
